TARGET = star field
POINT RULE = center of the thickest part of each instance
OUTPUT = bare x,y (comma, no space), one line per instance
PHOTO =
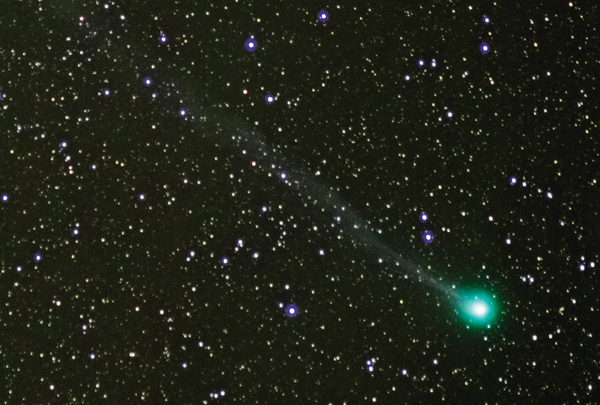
297,203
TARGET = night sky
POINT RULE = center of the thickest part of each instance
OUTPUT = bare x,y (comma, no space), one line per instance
299,202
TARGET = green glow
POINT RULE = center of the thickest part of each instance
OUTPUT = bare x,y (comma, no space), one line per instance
478,309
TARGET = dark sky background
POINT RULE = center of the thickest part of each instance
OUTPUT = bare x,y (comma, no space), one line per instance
158,216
